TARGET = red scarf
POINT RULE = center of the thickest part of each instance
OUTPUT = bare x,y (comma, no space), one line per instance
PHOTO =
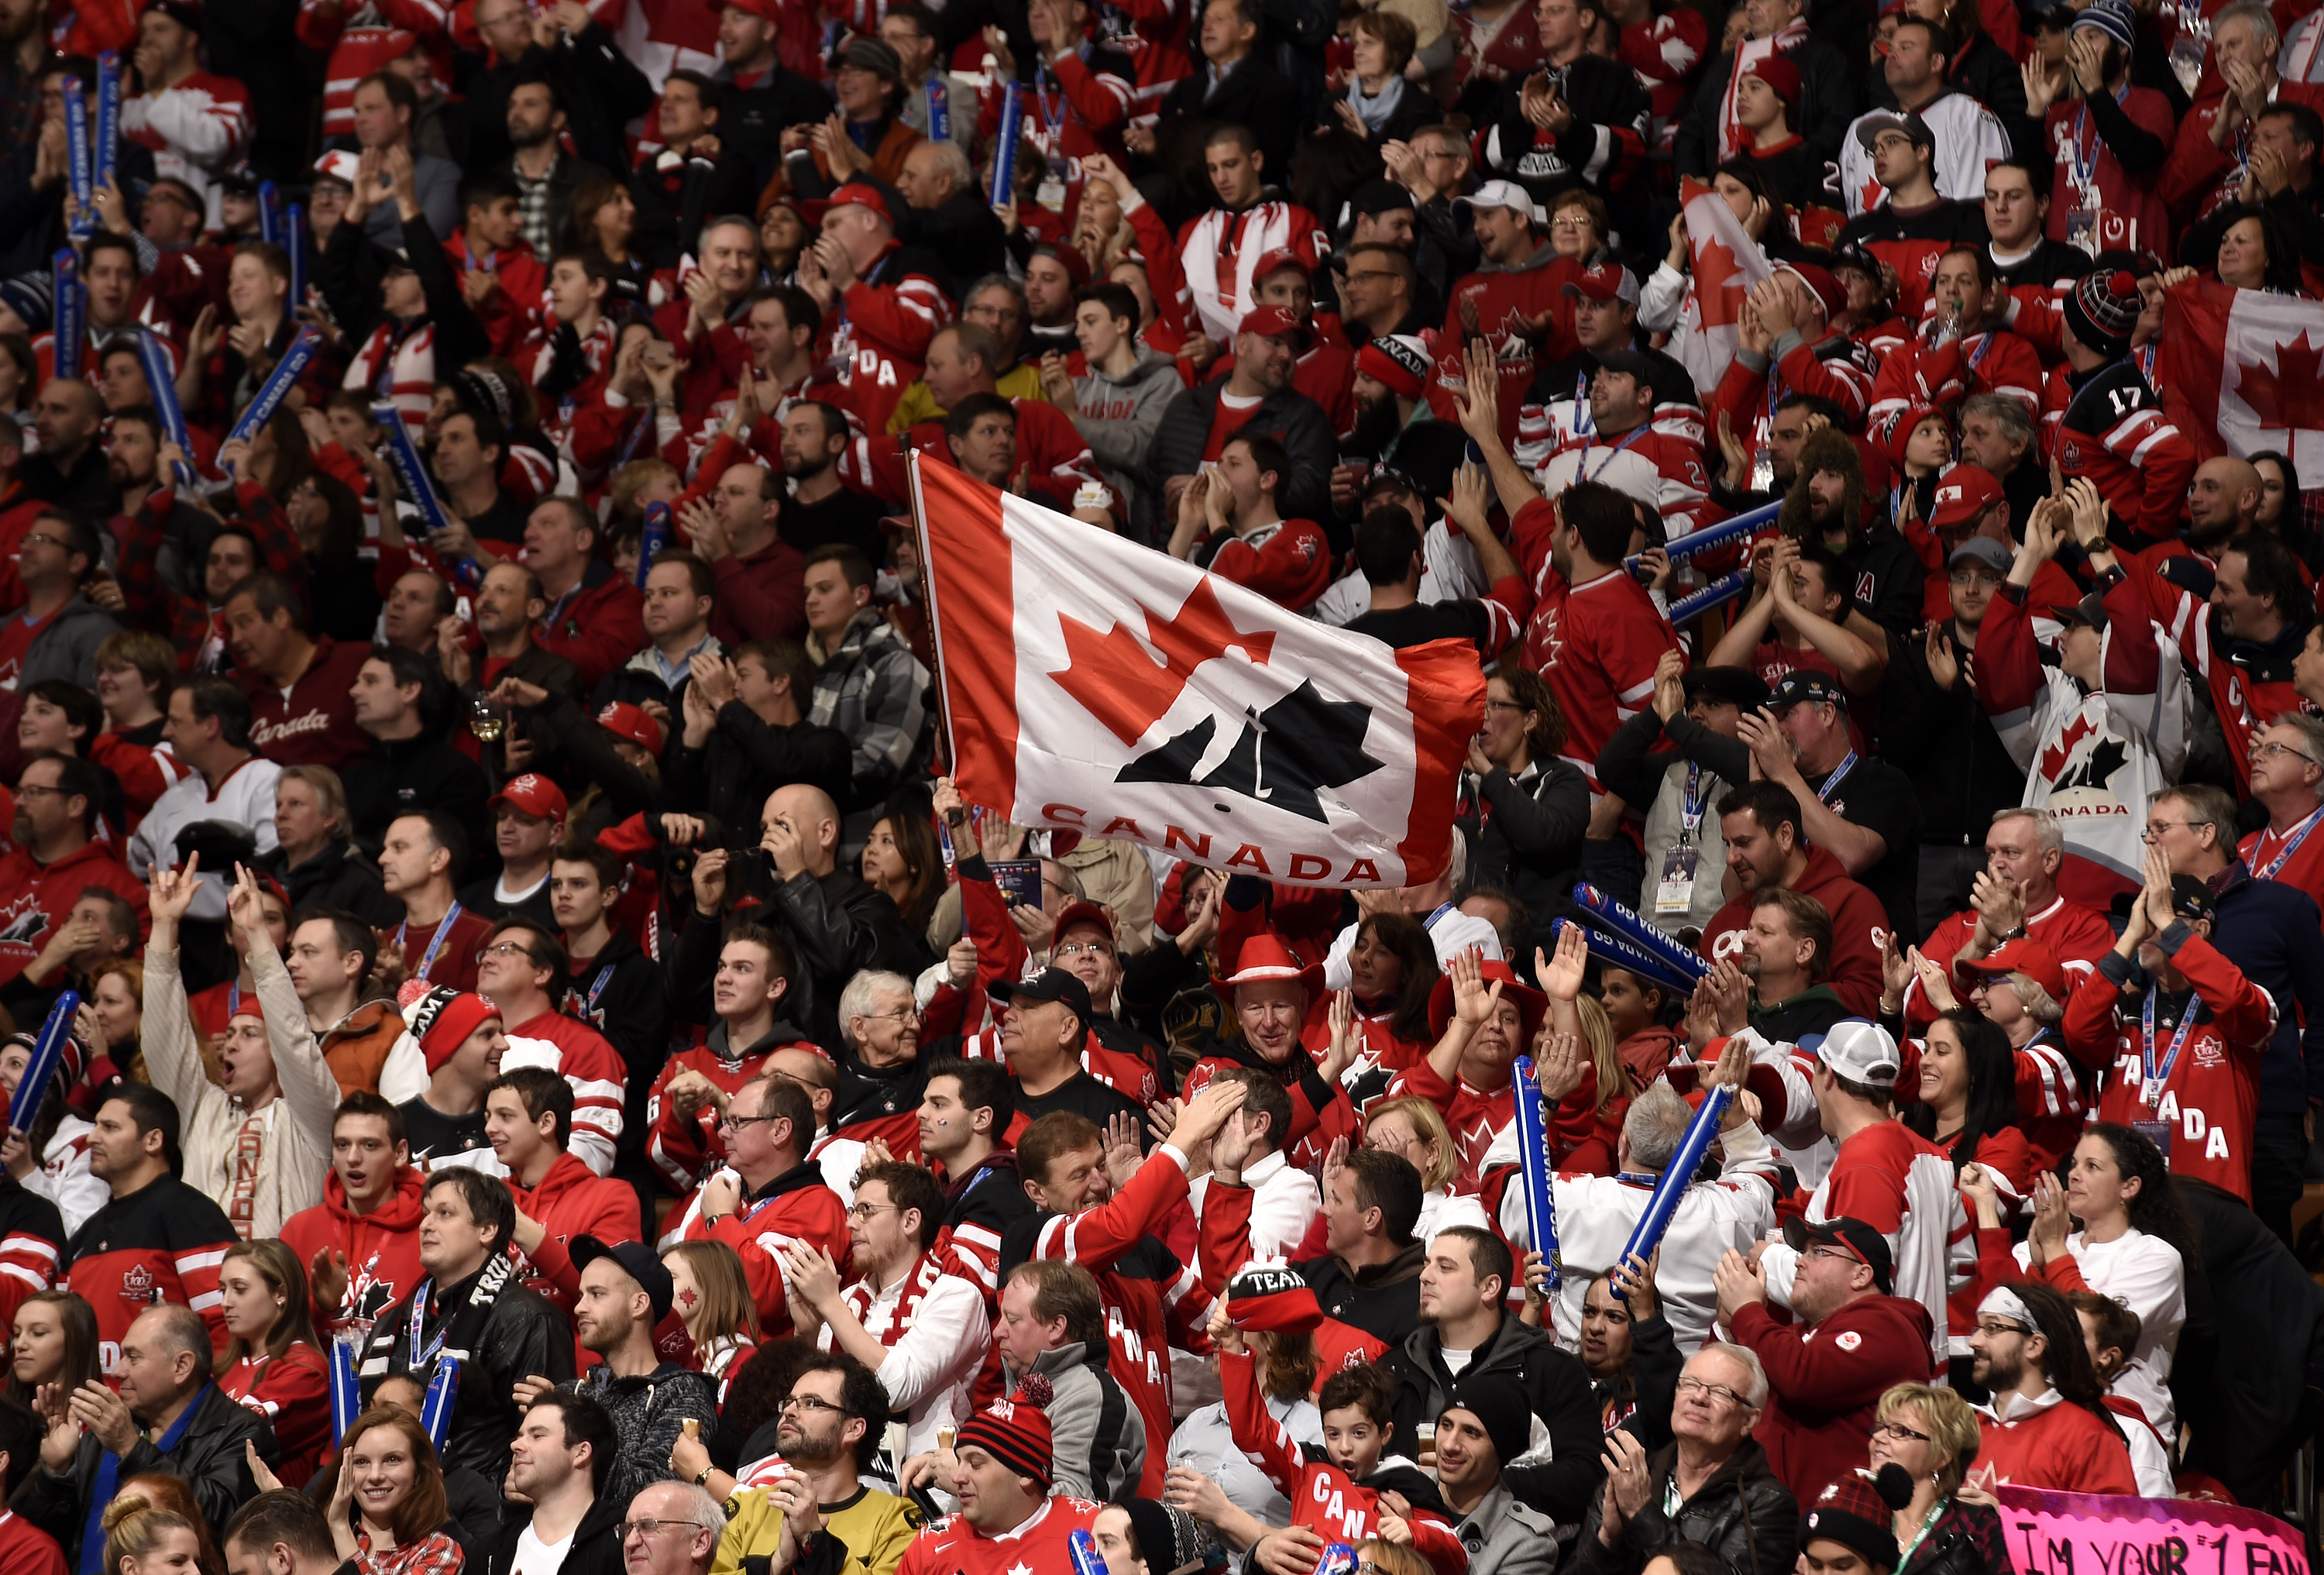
917,1283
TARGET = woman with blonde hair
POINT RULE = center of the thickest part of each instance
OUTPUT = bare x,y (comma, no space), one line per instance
141,1538
1588,1126
272,1362
388,1511
1413,1130
51,1159
1931,1435
712,1296
170,1495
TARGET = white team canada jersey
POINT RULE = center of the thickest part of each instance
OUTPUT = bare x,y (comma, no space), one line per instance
1968,138
1663,472
1597,1213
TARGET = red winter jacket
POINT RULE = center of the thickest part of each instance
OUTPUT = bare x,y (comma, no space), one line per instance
2053,1443
572,1200
1859,931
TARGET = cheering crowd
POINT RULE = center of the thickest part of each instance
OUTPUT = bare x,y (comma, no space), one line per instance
546,1069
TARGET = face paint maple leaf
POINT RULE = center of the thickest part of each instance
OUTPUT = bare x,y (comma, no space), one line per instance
2293,395
1114,679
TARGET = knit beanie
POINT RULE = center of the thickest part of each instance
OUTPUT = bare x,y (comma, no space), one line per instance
2102,309
1501,1406
1778,71
1168,1539
1273,1298
442,1020
1849,1511
1015,1430
1901,428
2117,19
1397,359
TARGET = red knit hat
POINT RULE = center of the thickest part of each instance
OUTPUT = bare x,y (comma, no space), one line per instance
1273,1298
1778,72
442,1020
1903,424
1399,361
1015,1430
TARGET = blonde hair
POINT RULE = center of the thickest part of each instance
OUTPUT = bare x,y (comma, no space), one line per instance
1393,1559
1598,1033
134,1529
330,797
727,1310
1951,1427
1428,1126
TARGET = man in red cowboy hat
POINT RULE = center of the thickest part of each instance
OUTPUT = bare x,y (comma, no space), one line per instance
1484,1016
1009,1520
1281,1014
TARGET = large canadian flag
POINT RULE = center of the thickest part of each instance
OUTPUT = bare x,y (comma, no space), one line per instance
1727,262
1093,684
2242,371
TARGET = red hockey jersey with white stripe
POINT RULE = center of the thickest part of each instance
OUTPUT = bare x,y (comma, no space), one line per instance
587,1061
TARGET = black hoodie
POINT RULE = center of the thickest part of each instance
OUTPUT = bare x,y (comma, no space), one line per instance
619,992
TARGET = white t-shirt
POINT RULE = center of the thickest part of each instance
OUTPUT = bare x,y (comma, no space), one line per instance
535,1557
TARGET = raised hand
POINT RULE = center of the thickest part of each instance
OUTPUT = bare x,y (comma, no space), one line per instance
1558,1064
169,893
1474,1002
1561,973
1123,1147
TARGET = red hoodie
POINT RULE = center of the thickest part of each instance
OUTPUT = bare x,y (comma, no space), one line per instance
381,1247
34,899
572,1200
1825,1383
1859,931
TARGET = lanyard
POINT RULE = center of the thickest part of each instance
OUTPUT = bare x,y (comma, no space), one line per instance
1692,803
422,1358
2085,170
443,931
1904,1555
598,989
2291,845
1442,909
1053,110
1589,474
1823,793
1584,424
234,989
2157,1081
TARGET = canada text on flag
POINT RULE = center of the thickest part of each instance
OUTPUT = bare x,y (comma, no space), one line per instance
1093,684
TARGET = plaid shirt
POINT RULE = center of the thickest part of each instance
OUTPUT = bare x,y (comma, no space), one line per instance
433,1554
188,619
533,204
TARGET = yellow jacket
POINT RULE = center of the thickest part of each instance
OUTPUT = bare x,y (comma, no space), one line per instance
875,1527
919,402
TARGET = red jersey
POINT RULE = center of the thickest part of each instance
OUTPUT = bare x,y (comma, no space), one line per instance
879,335
26,1550
2200,174
381,1249
1859,930
293,1393
951,1547
2250,686
2053,1443
1508,302
1049,448
443,952
1288,562
2107,424
36,897
793,1207
587,1060
2296,858
2130,208
2206,1088
1595,645
1995,361
686,1149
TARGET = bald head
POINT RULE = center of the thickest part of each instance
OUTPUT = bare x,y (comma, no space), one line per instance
2224,497
808,815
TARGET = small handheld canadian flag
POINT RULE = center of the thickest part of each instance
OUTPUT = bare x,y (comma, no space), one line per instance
1093,684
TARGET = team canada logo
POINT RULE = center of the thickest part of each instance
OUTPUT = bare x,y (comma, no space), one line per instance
26,924
137,1284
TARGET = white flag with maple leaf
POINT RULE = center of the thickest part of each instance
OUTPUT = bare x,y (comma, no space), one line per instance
1726,262
1093,684
2242,371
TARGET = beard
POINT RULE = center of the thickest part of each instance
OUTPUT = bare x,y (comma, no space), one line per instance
1377,425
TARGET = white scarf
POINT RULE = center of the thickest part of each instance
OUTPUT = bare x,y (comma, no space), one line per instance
1264,227
1375,112
1748,53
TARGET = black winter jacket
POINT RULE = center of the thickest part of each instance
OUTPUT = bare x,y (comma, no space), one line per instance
340,877
413,774
1185,430
1525,835
743,759
522,1336
1556,1389
1831,95
596,1548
1742,1513
208,1457
1382,1298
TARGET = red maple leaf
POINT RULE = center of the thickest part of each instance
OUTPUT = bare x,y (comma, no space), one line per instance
2054,758
2293,395
1115,679
1718,283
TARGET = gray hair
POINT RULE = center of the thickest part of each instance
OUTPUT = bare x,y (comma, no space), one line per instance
1069,880
741,219
700,1506
182,1329
997,281
2039,1003
1656,1122
2261,20
1755,1393
2310,728
2005,411
2048,835
866,988
952,163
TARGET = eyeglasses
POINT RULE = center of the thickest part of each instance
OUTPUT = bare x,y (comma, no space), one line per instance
504,949
1720,1392
1835,1254
35,790
646,1527
1990,1330
811,1403
1081,948
865,1210
2268,749
39,539
736,1123
2155,828
1897,1430
1503,705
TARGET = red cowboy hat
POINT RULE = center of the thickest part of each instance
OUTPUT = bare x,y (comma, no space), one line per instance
1268,959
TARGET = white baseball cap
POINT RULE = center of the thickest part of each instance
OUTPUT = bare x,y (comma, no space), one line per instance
1860,1052
1506,194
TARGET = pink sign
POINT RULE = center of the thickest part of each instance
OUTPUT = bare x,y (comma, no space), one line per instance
2091,1533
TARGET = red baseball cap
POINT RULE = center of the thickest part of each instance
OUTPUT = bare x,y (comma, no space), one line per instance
1083,913
859,195
1275,323
535,795
1606,281
1280,258
1963,493
2024,955
623,719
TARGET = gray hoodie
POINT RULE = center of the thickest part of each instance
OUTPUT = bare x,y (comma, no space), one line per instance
65,645
1117,416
